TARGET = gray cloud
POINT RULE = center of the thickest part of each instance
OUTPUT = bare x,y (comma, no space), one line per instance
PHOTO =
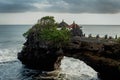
8,6
16,8
63,6
89,6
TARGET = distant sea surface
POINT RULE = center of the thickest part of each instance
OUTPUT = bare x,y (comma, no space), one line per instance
11,42
102,30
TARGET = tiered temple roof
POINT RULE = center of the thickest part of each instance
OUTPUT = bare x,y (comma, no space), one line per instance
74,25
63,24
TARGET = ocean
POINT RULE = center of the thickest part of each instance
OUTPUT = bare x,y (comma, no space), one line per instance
11,42
102,30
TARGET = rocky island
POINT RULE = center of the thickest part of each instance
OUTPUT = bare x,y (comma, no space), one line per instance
47,42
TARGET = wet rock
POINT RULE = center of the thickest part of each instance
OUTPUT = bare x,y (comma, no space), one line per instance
49,75
42,59
104,58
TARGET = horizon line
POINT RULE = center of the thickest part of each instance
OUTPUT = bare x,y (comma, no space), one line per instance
79,24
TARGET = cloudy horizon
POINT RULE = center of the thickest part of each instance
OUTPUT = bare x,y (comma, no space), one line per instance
82,11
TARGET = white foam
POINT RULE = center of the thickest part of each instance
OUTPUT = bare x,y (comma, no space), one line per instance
9,54
75,69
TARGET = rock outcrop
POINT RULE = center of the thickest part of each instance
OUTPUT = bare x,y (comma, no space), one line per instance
37,54
42,59
103,57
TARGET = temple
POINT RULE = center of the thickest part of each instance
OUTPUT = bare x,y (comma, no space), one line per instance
74,25
63,24
74,28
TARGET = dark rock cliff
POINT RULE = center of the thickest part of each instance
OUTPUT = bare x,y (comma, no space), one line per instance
103,57
36,54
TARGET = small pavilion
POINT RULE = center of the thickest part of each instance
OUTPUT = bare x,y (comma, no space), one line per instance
76,29
74,25
63,24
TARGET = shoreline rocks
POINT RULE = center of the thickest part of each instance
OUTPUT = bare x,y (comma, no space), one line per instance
42,59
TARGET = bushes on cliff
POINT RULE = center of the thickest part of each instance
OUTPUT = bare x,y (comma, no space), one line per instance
45,22
58,38
46,30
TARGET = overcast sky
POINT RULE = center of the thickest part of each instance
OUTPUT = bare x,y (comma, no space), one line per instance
80,11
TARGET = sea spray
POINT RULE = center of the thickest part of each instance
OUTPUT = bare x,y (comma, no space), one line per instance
74,69
8,54
71,69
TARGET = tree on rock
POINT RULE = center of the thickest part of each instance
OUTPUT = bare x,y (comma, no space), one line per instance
46,30
47,20
57,38
43,47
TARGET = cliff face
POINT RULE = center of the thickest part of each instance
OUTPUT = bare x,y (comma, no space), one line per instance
37,55
42,59
103,57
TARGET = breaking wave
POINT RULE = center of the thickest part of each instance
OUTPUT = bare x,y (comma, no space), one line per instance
74,69
9,54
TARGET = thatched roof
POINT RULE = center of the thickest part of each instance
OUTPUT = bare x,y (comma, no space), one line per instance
63,24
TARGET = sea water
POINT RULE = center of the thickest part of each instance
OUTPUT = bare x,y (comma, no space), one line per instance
102,30
11,42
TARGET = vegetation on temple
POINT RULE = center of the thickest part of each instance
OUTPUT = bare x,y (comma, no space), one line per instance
57,37
46,30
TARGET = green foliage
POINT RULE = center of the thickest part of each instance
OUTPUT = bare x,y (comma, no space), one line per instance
47,20
35,28
44,22
46,29
59,38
